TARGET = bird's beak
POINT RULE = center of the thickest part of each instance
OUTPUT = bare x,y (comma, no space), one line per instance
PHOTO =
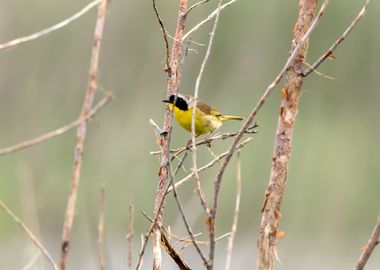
166,101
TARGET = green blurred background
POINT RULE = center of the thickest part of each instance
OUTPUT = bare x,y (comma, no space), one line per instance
332,194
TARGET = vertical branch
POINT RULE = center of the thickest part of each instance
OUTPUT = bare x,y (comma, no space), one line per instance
101,229
81,134
283,141
368,249
196,91
130,234
236,213
173,82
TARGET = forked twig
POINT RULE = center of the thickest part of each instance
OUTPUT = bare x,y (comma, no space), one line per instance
81,134
209,165
209,18
50,29
255,110
196,5
216,137
337,42
57,132
34,239
368,249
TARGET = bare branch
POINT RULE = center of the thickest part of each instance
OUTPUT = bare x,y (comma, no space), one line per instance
50,29
209,165
188,228
196,91
216,137
268,232
34,239
338,41
368,249
81,134
131,209
196,5
209,18
57,132
101,229
236,213
32,261
165,36
164,141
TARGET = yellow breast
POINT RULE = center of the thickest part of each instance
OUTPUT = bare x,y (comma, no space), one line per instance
203,123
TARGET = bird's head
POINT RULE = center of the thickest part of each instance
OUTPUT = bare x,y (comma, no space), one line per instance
180,101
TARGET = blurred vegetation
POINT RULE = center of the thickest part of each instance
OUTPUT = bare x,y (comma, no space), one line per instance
332,195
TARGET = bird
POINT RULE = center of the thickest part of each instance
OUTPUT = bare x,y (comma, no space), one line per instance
207,118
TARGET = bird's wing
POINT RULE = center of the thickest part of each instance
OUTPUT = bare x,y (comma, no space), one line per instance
206,109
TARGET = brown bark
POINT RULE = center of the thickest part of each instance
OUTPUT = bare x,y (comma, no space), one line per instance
173,81
283,142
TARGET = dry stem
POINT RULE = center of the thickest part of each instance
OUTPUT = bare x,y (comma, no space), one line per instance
165,36
337,42
209,18
173,82
368,249
81,134
34,239
188,228
101,229
44,137
130,233
283,141
196,91
50,29
236,213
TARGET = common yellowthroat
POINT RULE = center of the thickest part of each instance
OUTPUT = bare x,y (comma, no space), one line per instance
207,118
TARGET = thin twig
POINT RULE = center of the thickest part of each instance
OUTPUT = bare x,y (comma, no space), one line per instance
196,5
131,210
236,213
338,41
145,237
50,29
101,229
81,134
29,233
196,93
209,18
208,165
57,132
188,228
165,36
32,261
216,137
207,210
182,265
373,241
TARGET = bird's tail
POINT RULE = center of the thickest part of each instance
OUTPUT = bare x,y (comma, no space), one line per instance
230,117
